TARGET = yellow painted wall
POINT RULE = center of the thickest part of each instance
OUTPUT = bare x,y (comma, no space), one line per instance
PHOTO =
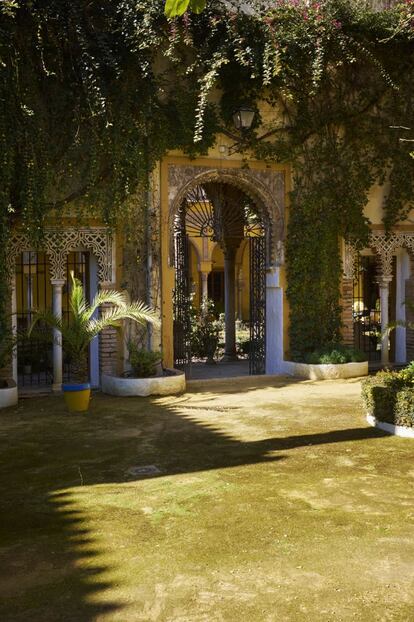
374,208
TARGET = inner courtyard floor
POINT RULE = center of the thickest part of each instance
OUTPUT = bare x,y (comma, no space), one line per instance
204,371
231,503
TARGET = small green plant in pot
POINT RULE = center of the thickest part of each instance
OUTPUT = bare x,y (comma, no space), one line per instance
82,327
144,363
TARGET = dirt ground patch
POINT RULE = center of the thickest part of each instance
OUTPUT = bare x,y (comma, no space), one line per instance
260,504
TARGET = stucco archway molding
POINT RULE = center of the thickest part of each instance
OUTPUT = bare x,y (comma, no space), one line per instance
265,187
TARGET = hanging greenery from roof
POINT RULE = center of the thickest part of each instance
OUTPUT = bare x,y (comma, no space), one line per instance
92,94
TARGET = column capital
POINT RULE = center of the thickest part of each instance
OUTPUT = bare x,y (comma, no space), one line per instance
205,267
273,277
384,281
58,282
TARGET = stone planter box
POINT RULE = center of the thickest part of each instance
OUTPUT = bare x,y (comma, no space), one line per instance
397,430
171,383
326,372
8,395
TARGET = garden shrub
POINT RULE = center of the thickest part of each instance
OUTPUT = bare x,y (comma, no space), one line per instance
243,345
404,407
389,397
335,355
205,330
143,362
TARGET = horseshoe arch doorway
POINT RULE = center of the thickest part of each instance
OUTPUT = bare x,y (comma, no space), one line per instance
218,215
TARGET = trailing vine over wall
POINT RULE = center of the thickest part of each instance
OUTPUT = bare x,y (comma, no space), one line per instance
92,94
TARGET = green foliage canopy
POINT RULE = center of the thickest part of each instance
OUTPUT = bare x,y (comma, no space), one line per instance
92,94
173,8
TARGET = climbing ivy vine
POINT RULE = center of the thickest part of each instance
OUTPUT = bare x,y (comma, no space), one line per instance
92,94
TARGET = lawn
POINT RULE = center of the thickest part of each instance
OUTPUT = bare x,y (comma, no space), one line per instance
265,504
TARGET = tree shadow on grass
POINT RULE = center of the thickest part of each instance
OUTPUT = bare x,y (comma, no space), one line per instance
50,561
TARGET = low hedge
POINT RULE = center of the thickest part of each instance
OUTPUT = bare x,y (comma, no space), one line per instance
389,397
337,354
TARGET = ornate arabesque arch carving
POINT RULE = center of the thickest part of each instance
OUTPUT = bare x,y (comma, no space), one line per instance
384,246
264,187
58,243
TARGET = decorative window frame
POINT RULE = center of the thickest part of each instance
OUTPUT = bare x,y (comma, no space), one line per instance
57,243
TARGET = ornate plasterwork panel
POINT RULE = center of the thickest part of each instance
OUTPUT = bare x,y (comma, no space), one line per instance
349,260
58,243
384,246
266,188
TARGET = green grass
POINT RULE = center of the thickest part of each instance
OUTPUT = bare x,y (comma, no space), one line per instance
272,503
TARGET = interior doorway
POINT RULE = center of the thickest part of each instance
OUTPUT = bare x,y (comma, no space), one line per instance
220,259
367,308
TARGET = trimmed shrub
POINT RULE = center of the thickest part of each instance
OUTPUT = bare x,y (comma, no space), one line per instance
404,408
389,397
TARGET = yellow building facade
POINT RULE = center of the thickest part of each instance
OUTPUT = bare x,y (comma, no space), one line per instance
217,231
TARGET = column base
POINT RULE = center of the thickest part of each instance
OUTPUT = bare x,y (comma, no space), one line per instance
57,388
229,358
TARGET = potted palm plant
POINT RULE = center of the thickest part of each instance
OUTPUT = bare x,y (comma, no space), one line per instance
82,327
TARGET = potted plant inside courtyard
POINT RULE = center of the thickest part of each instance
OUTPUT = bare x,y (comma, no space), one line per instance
82,326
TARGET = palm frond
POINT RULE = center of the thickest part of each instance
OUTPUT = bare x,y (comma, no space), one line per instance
106,296
77,302
78,332
49,318
137,312
141,313
396,324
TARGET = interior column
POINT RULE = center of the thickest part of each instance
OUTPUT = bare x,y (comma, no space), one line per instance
204,287
240,285
230,303
57,285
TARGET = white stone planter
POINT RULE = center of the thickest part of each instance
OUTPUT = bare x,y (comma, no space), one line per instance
8,395
326,372
397,430
170,384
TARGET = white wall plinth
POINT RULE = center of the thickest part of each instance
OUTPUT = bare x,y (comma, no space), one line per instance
143,387
274,322
326,372
397,430
8,395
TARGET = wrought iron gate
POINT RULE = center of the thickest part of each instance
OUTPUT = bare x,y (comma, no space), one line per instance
182,301
366,308
257,358
217,212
